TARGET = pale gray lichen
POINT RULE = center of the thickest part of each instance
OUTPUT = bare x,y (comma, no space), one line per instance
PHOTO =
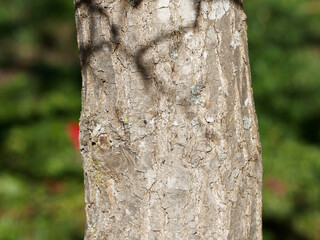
174,53
196,100
246,123
222,155
196,89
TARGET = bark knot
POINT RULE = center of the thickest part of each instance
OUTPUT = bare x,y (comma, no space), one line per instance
104,142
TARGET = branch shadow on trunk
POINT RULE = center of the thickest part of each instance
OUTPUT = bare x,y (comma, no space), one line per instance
145,70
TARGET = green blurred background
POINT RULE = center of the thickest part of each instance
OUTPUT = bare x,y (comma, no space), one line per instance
41,183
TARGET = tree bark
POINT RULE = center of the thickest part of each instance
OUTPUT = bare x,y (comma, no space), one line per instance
168,130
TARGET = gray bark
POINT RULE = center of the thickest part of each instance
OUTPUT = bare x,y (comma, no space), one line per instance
168,130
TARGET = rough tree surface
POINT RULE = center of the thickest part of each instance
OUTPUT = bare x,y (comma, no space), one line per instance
168,130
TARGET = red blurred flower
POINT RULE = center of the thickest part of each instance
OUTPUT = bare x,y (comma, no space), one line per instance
276,186
72,129
55,186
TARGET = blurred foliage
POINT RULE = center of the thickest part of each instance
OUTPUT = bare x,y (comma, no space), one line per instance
41,194
284,48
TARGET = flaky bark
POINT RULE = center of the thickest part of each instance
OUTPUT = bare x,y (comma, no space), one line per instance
168,131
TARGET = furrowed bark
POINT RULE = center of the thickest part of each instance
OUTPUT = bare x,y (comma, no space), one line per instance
168,130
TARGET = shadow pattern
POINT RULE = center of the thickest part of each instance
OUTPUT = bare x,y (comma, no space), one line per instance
86,50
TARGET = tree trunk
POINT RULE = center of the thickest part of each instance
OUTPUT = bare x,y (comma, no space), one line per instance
168,130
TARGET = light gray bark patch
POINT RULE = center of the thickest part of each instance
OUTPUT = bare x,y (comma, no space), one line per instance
254,233
236,224
174,199
246,123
